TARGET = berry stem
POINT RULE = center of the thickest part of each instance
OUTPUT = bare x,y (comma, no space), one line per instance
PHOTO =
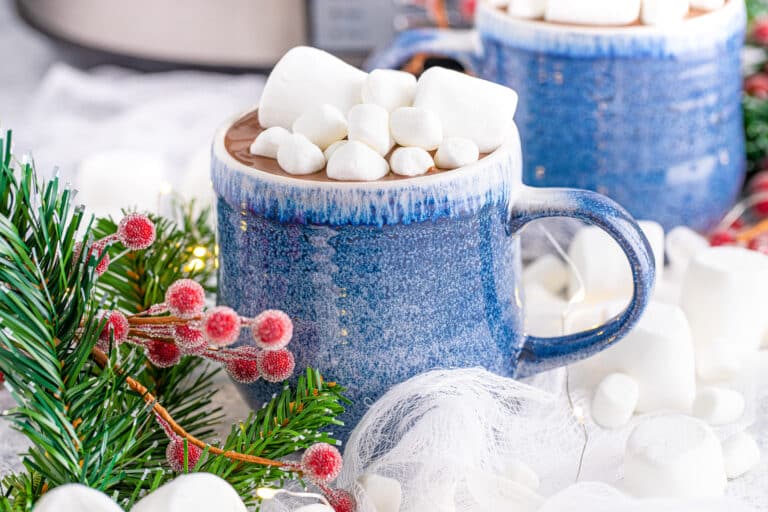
753,232
159,320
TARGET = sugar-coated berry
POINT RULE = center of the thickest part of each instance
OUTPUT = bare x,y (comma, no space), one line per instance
117,326
162,354
272,329
243,370
342,501
720,238
174,453
189,339
276,365
321,463
221,325
96,250
759,244
185,298
136,231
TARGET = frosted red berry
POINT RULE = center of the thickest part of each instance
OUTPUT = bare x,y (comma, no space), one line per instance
162,354
321,463
276,365
243,370
342,501
757,85
174,453
759,244
221,325
189,339
272,329
136,231
117,326
95,251
185,298
720,238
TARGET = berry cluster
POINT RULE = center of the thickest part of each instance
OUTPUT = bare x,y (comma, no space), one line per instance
756,205
321,464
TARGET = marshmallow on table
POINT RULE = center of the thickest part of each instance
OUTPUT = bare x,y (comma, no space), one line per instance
718,406
75,497
741,454
718,361
527,8
456,152
315,507
657,353
468,107
268,142
593,12
707,5
543,310
306,78
323,125
413,126
193,492
355,161
662,12
385,493
369,124
549,271
674,457
332,148
297,155
410,161
682,244
389,89
615,400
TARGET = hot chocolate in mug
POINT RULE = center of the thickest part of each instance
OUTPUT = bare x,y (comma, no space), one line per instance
385,280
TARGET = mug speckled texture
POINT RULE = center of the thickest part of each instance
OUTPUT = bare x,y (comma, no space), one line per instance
386,280
650,116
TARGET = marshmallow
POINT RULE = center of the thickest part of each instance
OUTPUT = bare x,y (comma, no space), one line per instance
413,126
75,497
330,150
456,152
718,406
322,125
410,161
315,507
663,12
549,271
674,457
386,494
297,155
682,245
543,310
741,454
369,124
602,265
497,3
389,89
522,474
718,362
468,107
593,12
707,5
527,8
268,142
193,492
615,400
306,78
657,353
354,161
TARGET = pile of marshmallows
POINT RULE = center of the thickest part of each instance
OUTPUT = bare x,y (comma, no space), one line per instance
684,363
606,12
348,121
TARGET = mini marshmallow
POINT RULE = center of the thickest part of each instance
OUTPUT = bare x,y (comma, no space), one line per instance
468,107
413,126
315,507
543,310
664,12
456,152
410,161
75,497
593,12
718,406
707,5
332,148
522,474
355,161
682,245
615,400
386,494
717,362
741,454
673,457
193,492
298,156
305,78
527,8
268,142
389,89
369,124
322,125
549,271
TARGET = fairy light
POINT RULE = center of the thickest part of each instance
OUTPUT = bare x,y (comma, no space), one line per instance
200,251
268,493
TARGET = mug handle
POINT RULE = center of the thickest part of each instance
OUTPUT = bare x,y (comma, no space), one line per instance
461,45
540,354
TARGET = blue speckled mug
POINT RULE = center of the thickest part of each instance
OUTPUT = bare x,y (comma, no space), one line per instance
649,116
388,279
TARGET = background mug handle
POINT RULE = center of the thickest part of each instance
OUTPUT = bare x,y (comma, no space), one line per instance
539,354
463,46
